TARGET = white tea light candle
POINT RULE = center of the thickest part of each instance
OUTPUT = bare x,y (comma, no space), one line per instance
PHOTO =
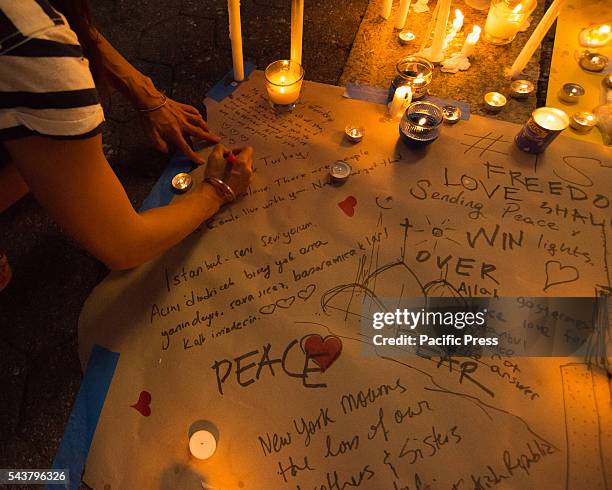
451,114
521,89
406,37
284,83
593,61
583,122
354,133
202,444
494,101
570,93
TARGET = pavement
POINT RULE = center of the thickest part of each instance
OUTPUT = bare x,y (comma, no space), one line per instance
183,46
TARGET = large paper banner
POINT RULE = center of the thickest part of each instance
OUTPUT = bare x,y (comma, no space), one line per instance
251,326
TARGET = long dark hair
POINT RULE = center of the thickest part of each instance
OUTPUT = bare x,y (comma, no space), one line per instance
78,14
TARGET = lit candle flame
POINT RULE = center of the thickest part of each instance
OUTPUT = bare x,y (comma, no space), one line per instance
422,121
474,35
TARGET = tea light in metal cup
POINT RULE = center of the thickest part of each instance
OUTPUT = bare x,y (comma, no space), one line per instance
494,101
406,37
593,61
451,114
544,125
421,123
521,89
570,93
354,133
340,172
607,81
181,183
202,444
583,122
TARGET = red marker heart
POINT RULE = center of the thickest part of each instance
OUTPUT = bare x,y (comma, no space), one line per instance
323,351
348,206
142,405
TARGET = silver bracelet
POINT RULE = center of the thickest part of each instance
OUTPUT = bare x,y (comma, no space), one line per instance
221,187
151,109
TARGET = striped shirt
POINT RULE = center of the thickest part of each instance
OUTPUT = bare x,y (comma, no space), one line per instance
46,87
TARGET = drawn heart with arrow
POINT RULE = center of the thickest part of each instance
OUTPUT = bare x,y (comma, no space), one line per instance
559,274
323,351
143,405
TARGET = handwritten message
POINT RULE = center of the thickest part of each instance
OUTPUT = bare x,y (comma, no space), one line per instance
253,322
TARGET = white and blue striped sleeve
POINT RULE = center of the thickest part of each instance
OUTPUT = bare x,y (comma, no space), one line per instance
46,87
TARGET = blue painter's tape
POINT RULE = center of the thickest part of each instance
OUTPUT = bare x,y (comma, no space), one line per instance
378,95
227,85
161,193
83,419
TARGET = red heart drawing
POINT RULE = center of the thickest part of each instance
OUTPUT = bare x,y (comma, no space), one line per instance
143,403
348,206
323,351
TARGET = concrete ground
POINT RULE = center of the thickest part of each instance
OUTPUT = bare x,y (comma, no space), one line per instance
183,46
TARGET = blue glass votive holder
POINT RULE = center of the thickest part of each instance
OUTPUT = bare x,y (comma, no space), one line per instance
421,123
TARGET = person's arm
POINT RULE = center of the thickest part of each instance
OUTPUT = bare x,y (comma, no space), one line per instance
12,185
76,185
165,125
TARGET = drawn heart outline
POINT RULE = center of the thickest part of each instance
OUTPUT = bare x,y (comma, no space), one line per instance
143,405
557,274
267,309
285,302
323,351
307,292
348,206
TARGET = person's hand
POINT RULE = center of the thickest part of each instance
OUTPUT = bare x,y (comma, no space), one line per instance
169,124
237,174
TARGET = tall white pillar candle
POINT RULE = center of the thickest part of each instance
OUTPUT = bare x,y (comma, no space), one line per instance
437,46
385,11
536,38
297,30
235,32
402,13
470,42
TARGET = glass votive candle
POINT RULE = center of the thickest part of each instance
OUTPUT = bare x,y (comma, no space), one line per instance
494,101
414,71
544,125
284,83
583,122
505,19
521,89
570,93
420,124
